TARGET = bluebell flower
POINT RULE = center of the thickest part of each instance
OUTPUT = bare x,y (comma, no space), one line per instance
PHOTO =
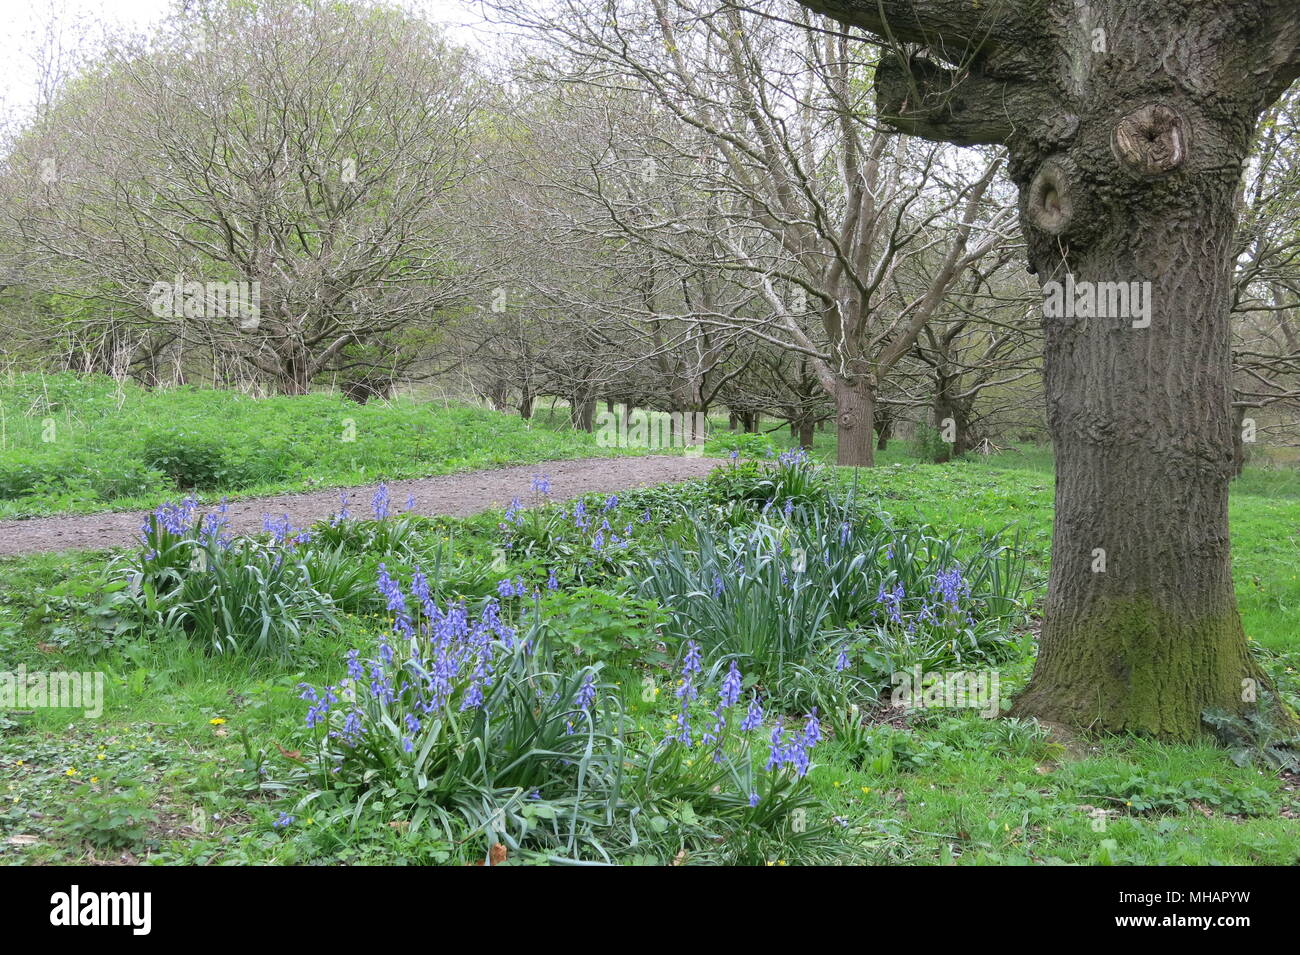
513,510
586,693
731,686
950,586
776,754
691,663
355,670
379,503
684,725
511,588
812,731
893,601
279,529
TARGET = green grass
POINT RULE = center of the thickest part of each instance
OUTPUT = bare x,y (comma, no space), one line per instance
187,740
70,444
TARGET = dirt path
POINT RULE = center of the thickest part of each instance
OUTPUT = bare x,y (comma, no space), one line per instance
455,495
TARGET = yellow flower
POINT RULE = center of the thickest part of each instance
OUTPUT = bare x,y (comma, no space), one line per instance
866,789
94,779
69,772
216,722
100,756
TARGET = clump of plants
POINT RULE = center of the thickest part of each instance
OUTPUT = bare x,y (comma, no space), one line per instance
1152,792
804,592
466,721
231,595
190,459
790,479
593,540
724,780
745,445
256,595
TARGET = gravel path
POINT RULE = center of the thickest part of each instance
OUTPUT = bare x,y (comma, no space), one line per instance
455,495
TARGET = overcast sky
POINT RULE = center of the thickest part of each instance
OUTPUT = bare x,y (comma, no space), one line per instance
75,23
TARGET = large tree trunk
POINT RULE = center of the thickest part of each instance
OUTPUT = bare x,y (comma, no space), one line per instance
884,427
1141,631
1128,123
952,419
293,377
1142,428
854,409
805,431
582,412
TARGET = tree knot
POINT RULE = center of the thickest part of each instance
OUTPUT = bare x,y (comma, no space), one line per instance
1151,141
1051,199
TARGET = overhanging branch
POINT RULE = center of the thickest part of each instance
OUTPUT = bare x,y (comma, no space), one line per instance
959,28
924,99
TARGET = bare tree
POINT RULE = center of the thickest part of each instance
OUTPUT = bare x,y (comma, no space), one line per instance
814,206
313,153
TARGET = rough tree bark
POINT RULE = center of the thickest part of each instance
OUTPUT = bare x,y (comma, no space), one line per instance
855,405
804,430
1127,123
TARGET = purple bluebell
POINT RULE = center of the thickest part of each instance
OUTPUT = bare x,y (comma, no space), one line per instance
729,695
379,503
342,514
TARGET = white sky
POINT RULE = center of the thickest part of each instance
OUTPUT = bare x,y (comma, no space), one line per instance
76,23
